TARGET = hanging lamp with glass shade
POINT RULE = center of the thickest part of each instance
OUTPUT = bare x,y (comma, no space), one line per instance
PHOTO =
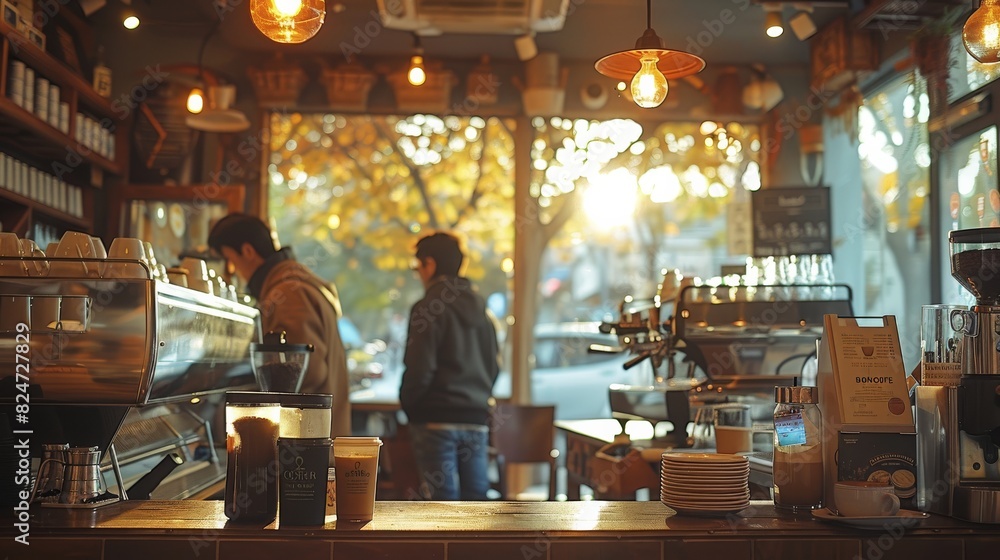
981,33
649,65
288,21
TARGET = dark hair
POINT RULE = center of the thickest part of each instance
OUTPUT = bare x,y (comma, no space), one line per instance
445,249
236,229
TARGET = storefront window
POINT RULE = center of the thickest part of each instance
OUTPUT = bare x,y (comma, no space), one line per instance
352,194
895,161
966,74
650,197
969,197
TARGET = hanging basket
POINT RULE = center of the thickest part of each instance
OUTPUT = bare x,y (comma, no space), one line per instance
278,83
347,86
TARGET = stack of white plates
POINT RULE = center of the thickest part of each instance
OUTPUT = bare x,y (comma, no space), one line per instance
704,483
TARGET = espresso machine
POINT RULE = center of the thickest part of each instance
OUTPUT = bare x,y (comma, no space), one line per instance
958,427
128,370
737,343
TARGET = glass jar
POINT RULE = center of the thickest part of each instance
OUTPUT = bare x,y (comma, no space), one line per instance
798,449
252,454
303,458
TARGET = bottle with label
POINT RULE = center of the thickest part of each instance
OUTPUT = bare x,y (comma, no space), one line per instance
102,75
303,458
798,449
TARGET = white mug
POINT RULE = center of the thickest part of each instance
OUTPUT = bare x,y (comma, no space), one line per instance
865,499
126,248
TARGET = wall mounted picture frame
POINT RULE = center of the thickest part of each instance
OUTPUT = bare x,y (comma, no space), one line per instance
36,37
9,13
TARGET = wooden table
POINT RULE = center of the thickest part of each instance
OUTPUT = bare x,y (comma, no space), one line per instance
152,530
609,479
620,481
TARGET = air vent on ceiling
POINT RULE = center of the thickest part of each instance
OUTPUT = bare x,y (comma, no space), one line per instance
501,17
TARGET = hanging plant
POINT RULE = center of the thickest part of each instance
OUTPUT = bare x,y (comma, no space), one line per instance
930,47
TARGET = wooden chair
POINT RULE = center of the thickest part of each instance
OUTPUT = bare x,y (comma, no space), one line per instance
523,434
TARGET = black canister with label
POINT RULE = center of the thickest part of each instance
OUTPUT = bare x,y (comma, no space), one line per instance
303,458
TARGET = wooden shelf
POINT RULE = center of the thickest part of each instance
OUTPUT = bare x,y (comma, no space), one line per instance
55,71
45,210
37,143
25,131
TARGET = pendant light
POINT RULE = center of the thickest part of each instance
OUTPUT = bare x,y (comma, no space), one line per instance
981,33
648,66
196,101
417,74
196,98
288,21
774,24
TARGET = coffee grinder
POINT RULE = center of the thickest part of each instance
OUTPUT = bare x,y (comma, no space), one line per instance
958,428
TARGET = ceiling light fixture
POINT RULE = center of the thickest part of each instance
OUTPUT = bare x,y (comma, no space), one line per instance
981,33
130,20
648,66
288,21
416,75
802,23
774,25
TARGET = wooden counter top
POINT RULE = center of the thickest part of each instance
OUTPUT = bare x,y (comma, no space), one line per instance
484,531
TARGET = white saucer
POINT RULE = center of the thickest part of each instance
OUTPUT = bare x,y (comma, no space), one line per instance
706,489
728,478
697,500
905,517
705,472
700,512
703,458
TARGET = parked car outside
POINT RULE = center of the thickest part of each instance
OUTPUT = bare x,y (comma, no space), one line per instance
567,374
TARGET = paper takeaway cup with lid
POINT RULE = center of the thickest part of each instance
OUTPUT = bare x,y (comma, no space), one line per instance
356,461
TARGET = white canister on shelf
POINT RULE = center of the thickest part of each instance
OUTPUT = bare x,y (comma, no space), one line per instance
17,69
29,90
64,117
61,191
78,131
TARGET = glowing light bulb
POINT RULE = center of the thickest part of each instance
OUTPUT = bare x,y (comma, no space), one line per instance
981,33
131,22
288,21
649,86
773,25
196,101
287,8
416,76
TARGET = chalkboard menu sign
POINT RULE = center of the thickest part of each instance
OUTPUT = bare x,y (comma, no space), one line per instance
791,221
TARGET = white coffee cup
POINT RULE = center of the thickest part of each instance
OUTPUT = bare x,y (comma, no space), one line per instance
126,248
75,245
99,250
197,277
30,249
10,255
865,499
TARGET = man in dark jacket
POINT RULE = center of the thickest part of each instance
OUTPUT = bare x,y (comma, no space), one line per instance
450,367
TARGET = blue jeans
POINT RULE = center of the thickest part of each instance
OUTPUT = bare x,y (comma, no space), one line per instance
452,459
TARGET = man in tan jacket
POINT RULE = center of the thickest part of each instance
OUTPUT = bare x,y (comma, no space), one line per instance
292,299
